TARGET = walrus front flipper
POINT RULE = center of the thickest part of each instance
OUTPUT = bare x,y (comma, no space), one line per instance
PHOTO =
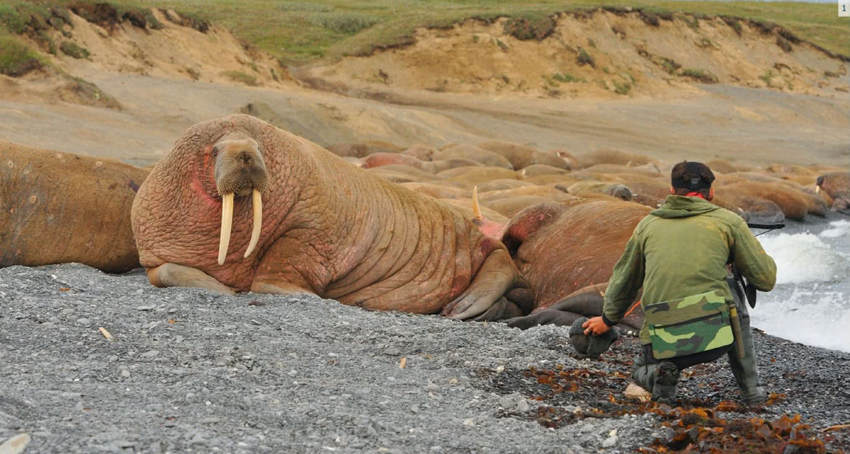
501,310
174,275
496,276
545,317
585,302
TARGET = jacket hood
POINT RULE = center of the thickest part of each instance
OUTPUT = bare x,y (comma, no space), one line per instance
677,206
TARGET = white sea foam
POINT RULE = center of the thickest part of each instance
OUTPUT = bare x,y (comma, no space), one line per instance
837,229
805,258
809,316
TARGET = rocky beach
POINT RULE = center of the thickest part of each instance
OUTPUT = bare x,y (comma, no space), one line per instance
189,371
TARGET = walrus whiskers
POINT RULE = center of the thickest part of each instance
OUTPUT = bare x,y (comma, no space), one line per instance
226,225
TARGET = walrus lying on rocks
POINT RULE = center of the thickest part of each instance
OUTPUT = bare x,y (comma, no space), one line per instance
59,208
563,247
241,205
567,252
837,186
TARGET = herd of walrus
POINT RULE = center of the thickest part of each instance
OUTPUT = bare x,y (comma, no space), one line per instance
492,231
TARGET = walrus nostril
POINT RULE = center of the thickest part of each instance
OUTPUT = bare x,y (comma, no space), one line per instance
246,158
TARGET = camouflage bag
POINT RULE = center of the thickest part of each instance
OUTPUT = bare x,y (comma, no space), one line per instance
690,325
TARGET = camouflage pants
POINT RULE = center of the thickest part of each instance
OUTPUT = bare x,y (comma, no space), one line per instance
744,369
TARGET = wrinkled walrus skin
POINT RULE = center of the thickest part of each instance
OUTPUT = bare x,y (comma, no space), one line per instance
60,208
327,227
561,248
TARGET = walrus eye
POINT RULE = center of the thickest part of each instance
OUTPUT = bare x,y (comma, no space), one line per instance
215,152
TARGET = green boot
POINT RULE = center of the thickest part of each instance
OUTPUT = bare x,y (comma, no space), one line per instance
745,369
661,379
666,383
644,374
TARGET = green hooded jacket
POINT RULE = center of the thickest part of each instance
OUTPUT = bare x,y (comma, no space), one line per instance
682,249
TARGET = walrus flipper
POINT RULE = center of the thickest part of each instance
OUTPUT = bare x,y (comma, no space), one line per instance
174,275
495,278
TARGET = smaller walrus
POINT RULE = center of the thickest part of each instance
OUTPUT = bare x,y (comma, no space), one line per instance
61,208
837,186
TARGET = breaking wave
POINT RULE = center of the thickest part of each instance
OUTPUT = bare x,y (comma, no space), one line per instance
811,301
804,257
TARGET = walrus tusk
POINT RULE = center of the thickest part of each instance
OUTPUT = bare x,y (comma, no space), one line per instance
258,222
226,225
817,189
476,210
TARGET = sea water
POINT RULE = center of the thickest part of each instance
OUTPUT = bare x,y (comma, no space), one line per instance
811,301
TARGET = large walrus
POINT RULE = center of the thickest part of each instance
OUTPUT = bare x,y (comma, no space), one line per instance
563,247
241,205
59,208
567,252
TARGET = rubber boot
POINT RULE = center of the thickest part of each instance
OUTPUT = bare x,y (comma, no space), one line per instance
644,374
745,369
666,383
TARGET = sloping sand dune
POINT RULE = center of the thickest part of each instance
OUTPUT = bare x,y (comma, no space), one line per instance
596,54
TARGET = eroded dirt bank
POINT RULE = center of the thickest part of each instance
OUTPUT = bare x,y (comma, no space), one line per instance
597,54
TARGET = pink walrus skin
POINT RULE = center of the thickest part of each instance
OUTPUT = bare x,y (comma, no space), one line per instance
305,221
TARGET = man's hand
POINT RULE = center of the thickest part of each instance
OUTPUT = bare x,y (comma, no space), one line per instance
595,326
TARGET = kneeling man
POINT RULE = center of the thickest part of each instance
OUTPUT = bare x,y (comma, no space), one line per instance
679,255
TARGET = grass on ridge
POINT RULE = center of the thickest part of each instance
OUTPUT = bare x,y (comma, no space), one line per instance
301,32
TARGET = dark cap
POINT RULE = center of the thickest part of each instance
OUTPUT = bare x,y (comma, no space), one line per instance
695,177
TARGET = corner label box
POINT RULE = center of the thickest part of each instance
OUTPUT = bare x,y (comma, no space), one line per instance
843,8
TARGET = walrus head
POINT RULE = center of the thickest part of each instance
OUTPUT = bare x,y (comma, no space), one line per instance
239,171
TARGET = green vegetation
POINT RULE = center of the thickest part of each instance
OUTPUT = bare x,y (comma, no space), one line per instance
16,59
530,26
700,75
345,23
584,58
767,76
73,50
567,78
669,65
300,32
622,88
239,76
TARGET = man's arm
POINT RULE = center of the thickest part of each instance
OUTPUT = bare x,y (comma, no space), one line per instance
751,260
626,280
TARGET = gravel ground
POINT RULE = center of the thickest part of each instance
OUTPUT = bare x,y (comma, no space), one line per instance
188,371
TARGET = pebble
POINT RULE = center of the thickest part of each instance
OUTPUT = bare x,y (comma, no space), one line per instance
145,308
125,373
432,388
150,354
610,442
522,406
83,321
15,445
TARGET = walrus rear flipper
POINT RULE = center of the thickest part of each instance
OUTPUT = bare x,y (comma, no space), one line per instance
544,317
586,302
